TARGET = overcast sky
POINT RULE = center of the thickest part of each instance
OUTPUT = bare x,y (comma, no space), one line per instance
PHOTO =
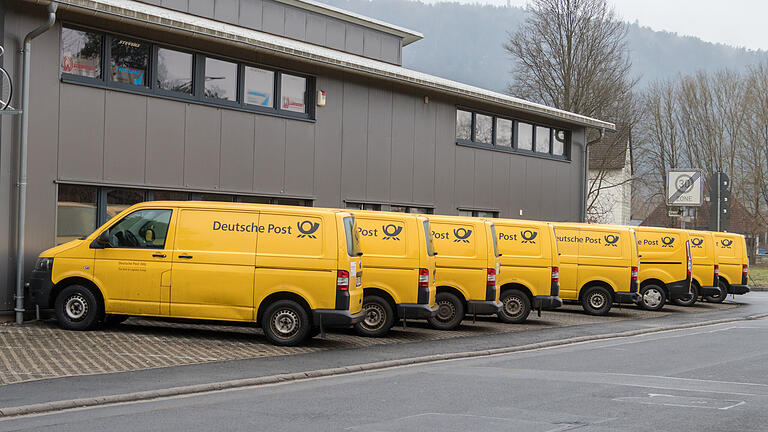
734,22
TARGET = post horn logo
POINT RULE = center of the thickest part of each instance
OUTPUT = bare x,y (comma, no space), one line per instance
391,231
697,241
726,243
307,228
528,236
667,241
462,235
611,240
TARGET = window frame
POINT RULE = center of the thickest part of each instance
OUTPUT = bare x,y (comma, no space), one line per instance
165,240
160,91
107,49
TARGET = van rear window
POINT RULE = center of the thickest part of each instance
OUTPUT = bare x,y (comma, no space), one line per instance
353,239
428,236
495,245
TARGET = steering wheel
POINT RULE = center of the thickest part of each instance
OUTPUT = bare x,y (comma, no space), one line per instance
131,239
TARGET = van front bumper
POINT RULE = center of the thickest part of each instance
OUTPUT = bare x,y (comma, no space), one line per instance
709,291
738,289
547,302
627,298
483,307
679,289
39,292
336,318
416,311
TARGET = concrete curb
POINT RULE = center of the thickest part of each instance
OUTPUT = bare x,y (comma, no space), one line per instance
298,376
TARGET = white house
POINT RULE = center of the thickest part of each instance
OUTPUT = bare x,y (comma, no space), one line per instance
610,178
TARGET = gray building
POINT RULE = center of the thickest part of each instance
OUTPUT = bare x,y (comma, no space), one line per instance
273,101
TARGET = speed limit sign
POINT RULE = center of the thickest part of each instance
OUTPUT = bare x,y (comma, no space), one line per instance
684,188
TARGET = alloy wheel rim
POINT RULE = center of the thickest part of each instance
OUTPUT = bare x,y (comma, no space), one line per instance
76,307
597,300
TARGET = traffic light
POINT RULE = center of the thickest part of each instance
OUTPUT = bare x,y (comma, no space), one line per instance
720,202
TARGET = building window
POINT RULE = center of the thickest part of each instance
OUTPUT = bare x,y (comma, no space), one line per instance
479,213
213,197
174,71
503,132
129,61
559,142
220,79
411,209
76,212
524,136
167,196
293,93
81,53
259,87
463,125
483,129
543,138
120,199
362,206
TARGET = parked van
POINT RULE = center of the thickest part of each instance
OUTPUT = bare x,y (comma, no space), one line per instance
467,265
665,265
293,270
731,251
529,275
399,261
598,265
704,276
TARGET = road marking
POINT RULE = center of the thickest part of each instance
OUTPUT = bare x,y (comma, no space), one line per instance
682,401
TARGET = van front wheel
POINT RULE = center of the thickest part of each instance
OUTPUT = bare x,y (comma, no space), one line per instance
379,317
653,297
596,300
77,308
450,312
285,323
515,307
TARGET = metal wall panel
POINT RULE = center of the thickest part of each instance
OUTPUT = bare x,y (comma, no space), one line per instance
516,188
354,39
390,49
202,145
548,190
316,29
226,10
500,185
533,181
335,34
201,7
424,153
445,158
379,152
273,20
166,126
403,133
125,133
483,186
180,5
295,24
81,133
299,158
327,170
237,147
250,14
354,137
464,178
372,44
269,155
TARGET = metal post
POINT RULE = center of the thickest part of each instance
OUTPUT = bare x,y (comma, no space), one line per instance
718,201
22,184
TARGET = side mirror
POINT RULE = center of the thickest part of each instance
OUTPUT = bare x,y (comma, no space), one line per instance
102,241
359,254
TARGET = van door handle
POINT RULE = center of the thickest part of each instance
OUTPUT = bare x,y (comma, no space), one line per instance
158,255
185,256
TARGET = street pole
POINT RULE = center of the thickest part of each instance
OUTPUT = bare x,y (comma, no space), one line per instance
718,201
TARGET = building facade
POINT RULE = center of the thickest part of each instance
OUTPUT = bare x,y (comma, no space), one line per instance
269,101
610,179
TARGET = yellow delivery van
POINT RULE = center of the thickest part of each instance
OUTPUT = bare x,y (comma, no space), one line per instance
598,265
293,270
399,262
529,274
731,251
665,265
467,265
704,274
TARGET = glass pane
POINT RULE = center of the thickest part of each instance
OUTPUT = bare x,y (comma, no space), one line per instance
466,213
120,199
419,210
463,125
428,236
259,87
483,128
75,212
293,93
220,79
354,206
143,229
255,200
216,197
486,214
81,53
373,207
558,144
524,139
503,132
130,62
542,139
292,202
170,196
399,209
174,71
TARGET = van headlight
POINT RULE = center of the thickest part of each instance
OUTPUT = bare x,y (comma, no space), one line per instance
44,264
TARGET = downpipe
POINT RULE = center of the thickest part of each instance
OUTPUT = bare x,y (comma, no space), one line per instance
22,184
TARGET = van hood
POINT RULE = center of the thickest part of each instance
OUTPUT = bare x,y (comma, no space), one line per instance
52,252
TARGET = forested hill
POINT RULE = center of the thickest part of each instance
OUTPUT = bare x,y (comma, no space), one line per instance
464,43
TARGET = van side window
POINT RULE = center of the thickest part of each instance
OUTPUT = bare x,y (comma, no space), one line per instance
142,229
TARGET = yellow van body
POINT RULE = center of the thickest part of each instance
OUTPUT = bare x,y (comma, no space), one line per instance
294,270
528,278
467,265
665,265
598,265
399,261
731,250
704,274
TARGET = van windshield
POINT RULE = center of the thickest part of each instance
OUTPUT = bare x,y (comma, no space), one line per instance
495,246
353,238
428,236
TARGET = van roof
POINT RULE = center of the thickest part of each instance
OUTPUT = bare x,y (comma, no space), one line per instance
596,226
516,221
386,213
469,219
218,205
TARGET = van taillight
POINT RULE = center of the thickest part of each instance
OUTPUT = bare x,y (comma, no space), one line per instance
717,270
634,273
491,276
423,278
342,280
690,260
744,270
555,274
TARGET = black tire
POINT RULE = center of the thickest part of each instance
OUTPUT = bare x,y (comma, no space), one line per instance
78,308
691,299
515,307
653,297
285,323
722,296
111,320
597,300
450,312
379,317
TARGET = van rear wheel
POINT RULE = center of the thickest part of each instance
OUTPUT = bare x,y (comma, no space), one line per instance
285,323
78,308
379,317
653,297
450,312
596,300
515,307
690,299
721,297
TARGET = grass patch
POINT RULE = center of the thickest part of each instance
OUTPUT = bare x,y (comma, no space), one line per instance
758,275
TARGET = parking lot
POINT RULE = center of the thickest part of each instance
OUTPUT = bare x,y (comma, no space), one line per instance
40,350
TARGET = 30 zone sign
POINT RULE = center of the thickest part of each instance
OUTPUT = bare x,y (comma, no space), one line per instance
684,188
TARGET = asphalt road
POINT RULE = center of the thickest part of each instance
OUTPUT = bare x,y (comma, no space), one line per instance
712,378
